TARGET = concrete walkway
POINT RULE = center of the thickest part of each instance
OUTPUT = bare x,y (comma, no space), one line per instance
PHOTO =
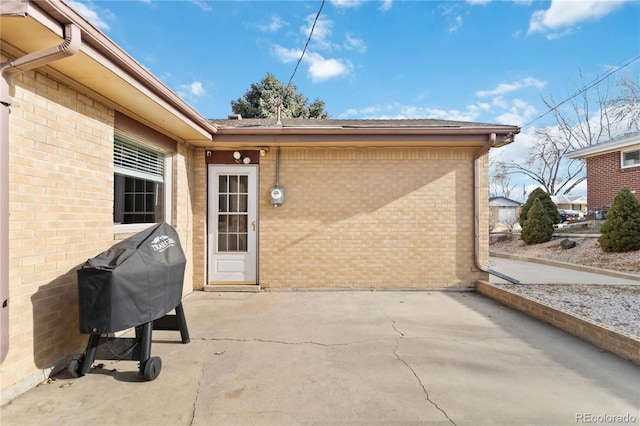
348,358
538,273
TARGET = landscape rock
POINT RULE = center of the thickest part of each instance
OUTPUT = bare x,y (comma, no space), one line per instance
567,244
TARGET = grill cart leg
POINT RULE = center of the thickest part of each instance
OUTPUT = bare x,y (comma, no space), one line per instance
91,354
174,322
182,324
81,364
150,366
145,344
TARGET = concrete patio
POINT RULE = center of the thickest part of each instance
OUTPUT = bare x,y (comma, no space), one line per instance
341,357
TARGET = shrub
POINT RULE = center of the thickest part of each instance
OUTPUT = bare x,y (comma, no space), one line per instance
538,227
547,203
621,231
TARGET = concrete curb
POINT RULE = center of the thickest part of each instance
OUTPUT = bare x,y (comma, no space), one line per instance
573,266
620,344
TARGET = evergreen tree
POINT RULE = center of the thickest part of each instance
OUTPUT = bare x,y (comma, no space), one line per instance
261,101
621,231
538,227
547,203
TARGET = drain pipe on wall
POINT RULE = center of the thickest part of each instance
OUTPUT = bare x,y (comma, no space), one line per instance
70,46
476,204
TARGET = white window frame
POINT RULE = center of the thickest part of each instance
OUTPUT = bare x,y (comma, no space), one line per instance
622,153
168,185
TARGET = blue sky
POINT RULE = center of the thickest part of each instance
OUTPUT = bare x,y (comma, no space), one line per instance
477,60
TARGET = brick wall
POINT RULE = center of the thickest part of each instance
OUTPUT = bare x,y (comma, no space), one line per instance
363,218
605,177
60,204
61,214
608,339
199,176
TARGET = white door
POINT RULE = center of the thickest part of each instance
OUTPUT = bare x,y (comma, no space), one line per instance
232,206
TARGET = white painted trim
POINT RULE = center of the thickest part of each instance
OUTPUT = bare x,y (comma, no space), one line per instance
622,159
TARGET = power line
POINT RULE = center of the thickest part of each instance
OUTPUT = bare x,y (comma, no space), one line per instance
584,89
306,44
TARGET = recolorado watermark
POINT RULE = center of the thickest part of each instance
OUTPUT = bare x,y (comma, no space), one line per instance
590,418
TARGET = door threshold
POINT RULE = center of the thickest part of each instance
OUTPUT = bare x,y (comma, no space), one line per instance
247,288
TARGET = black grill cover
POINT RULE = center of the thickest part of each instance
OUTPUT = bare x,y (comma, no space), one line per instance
136,281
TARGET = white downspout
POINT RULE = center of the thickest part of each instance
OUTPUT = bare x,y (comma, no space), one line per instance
476,204
70,46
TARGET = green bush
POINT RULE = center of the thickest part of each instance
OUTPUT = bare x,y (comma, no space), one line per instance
621,231
538,227
547,203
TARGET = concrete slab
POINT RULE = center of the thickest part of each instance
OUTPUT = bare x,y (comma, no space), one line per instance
347,358
538,273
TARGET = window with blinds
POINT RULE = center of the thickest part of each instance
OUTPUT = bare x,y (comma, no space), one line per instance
135,160
138,184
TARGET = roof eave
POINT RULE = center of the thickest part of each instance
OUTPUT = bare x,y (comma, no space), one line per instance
604,148
106,55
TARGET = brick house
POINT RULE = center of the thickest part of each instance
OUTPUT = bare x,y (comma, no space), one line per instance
367,203
75,108
87,132
610,166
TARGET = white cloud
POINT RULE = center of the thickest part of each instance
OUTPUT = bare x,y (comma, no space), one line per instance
191,90
322,69
356,44
518,113
457,23
274,25
202,5
504,88
346,3
196,88
286,55
321,31
564,15
500,110
386,5
93,14
399,111
478,2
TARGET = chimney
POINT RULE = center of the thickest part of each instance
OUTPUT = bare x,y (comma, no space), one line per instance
234,117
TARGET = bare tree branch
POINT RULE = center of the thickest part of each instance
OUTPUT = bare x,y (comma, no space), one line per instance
587,118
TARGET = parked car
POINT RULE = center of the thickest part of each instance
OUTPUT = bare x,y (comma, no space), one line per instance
568,215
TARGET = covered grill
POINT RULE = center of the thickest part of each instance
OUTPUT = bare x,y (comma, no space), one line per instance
133,284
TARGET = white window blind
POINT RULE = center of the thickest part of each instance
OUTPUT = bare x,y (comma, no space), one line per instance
134,160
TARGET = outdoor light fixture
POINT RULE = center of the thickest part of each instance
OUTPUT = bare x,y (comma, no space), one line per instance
241,158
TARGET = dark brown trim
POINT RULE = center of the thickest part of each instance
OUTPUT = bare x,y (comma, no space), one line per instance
128,126
226,157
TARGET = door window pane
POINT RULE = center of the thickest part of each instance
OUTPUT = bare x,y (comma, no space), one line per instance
222,184
244,184
233,212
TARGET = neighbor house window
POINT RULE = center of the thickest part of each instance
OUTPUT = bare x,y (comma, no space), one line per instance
631,158
140,184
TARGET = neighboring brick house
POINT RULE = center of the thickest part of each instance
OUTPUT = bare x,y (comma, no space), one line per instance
87,131
610,166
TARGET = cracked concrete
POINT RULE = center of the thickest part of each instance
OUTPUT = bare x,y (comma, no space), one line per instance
395,352
346,358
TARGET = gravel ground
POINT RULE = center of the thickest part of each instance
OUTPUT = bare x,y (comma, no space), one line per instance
616,307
